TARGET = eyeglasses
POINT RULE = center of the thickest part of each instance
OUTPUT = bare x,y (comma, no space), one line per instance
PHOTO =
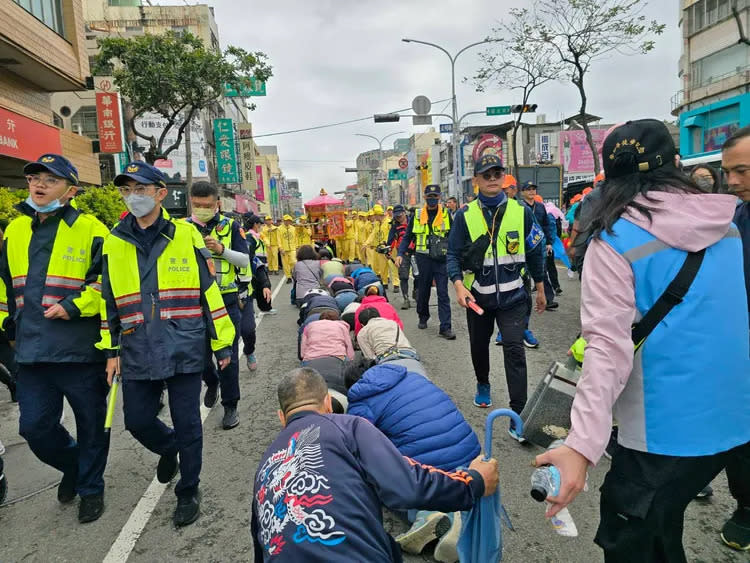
493,174
138,189
47,181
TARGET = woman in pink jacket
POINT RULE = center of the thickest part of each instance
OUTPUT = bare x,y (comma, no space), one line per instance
679,391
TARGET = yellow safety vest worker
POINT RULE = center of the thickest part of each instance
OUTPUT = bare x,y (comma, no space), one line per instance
510,248
422,230
178,302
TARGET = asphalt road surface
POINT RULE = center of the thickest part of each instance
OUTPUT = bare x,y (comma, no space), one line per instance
137,524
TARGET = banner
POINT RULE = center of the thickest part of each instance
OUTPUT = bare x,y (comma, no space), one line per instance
575,152
274,191
260,192
226,159
175,165
247,158
108,122
26,139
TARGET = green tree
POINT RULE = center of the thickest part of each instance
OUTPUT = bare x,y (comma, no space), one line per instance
9,198
584,31
175,76
105,203
515,63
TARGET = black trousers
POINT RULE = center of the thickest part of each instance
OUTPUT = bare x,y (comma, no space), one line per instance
512,323
403,276
643,502
552,272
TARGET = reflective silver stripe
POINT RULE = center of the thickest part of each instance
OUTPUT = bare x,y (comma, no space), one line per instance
180,294
180,312
651,247
68,283
4,307
103,325
131,299
19,281
654,246
49,300
502,287
507,259
19,301
218,313
132,318
96,286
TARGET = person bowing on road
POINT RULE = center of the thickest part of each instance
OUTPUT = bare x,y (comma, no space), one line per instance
161,306
494,238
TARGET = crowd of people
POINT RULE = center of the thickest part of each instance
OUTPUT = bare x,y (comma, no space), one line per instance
665,354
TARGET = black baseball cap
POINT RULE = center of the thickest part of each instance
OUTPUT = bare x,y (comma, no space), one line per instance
398,208
54,164
143,173
528,186
431,189
641,145
487,162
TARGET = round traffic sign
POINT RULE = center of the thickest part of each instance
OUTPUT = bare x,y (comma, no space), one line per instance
403,163
421,105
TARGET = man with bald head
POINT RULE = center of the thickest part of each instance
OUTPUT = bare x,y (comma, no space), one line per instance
320,485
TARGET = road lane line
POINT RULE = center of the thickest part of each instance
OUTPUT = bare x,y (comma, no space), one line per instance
133,528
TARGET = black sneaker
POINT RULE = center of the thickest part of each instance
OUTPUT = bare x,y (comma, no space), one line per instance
66,490
3,487
209,399
552,306
406,304
288,281
231,418
167,468
705,492
736,532
91,508
447,334
188,509
422,325
558,291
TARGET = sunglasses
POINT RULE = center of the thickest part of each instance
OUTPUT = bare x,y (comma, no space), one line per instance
493,174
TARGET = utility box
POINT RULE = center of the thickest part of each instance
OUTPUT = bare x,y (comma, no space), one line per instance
548,179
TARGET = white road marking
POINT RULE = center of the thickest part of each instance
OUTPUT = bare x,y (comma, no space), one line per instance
133,528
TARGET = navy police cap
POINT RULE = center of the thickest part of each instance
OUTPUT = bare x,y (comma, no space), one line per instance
54,164
487,162
143,173
432,189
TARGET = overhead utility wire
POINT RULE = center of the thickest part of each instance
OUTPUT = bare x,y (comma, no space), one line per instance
333,124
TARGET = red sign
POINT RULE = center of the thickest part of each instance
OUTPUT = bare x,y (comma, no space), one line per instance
24,138
403,163
108,122
260,193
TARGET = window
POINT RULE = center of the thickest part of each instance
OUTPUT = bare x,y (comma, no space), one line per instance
49,12
721,64
708,12
84,122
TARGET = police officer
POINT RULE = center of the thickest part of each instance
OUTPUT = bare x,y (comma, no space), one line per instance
429,231
51,267
225,238
494,238
528,193
257,251
162,306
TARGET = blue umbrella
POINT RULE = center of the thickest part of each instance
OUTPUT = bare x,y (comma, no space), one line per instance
481,539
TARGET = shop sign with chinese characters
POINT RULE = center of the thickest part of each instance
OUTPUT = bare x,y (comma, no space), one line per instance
108,122
247,157
226,158
26,139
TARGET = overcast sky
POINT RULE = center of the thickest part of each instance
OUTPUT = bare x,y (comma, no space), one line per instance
336,60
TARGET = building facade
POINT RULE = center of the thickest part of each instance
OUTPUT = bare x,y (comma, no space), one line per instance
715,70
42,50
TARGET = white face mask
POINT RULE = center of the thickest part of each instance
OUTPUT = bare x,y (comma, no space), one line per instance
140,205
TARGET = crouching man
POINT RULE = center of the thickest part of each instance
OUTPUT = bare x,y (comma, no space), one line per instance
320,485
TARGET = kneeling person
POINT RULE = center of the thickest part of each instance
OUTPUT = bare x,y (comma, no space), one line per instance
162,304
320,485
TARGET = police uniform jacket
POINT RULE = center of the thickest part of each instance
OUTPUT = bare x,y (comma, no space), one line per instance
161,336
55,261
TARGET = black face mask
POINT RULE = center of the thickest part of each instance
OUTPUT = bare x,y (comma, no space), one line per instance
432,203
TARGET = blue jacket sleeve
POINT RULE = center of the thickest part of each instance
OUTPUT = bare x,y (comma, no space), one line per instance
408,238
456,243
402,483
534,254
547,225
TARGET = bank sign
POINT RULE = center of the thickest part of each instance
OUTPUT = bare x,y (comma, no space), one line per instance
26,139
226,157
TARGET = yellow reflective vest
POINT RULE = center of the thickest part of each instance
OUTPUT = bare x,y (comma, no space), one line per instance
158,308
71,277
421,229
227,274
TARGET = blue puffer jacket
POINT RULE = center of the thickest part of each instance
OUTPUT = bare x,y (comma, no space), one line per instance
416,415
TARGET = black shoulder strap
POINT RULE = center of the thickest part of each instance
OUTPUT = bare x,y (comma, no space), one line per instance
673,295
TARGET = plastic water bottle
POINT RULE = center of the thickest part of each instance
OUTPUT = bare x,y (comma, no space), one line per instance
545,482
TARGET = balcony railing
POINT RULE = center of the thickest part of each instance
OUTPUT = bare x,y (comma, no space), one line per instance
711,86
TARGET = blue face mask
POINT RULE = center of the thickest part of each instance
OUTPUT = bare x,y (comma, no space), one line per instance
51,207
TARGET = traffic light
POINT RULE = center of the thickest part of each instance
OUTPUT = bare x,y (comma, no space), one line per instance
527,108
386,117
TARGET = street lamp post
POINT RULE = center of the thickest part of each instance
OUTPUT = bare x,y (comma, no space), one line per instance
380,147
455,132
